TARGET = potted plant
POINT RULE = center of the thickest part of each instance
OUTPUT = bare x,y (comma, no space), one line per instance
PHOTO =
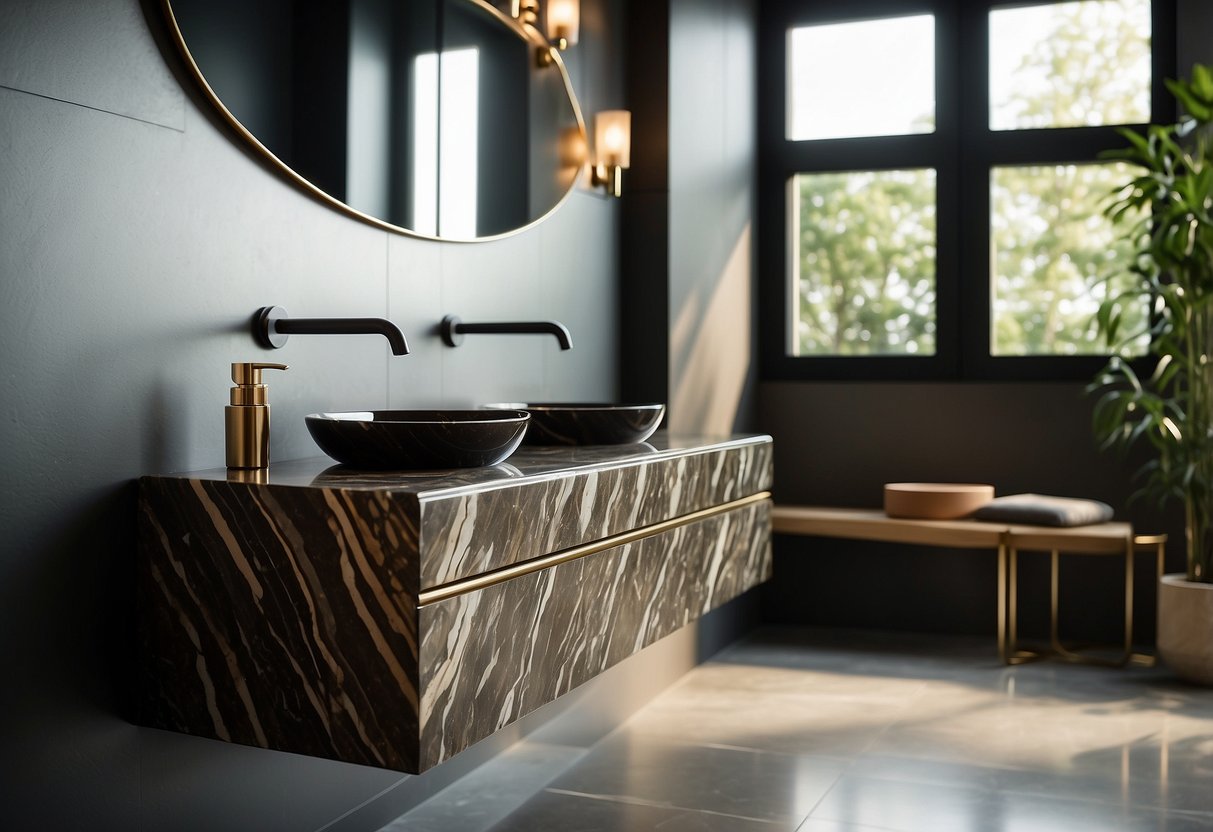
1167,213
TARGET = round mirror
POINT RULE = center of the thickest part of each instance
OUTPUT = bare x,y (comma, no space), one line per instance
444,119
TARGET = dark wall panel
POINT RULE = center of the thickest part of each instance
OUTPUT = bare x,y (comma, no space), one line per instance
836,444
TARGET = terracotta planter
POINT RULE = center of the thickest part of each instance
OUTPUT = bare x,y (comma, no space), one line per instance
1185,628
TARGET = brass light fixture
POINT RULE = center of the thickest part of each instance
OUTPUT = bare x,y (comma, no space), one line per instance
563,25
563,22
525,11
612,149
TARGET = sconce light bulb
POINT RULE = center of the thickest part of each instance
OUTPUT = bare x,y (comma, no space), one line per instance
563,22
612,143
613,138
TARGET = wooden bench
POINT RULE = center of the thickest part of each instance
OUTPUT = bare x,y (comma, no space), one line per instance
1007,540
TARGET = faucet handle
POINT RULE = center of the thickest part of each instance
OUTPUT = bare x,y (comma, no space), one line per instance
249,372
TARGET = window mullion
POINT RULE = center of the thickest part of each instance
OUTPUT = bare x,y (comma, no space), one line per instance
964,153
972,167
870,153
1073,144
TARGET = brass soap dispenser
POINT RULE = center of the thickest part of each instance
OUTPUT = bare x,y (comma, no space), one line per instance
248,417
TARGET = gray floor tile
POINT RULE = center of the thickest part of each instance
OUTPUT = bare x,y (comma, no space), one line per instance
921,807
554,812
826,727
720,678
772,697
864,653
818,825
759,785
490,793
864,732
966,723
1138,782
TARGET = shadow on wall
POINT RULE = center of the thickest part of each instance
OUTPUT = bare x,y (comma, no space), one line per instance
84,662
712,341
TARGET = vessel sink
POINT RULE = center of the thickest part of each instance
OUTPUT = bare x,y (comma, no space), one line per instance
419,439
584,423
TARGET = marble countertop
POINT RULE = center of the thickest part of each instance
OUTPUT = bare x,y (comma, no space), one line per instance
529,463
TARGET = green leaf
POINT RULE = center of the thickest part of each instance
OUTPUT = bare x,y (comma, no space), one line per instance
1202,83
1191,102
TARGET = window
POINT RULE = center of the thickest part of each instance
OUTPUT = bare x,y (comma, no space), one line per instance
931,186
1081,63
1050,245
833,66
445,102
863,265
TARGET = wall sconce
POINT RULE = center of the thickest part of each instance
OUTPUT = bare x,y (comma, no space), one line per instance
525,11
612,149
564,22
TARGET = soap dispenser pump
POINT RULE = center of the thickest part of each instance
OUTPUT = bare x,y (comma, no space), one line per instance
248,417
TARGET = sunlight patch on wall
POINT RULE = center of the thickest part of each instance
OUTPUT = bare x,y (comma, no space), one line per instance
707,388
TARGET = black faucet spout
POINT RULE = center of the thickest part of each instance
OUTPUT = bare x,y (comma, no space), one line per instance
453,329
272,326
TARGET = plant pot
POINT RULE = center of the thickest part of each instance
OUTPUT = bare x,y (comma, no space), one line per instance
1185,628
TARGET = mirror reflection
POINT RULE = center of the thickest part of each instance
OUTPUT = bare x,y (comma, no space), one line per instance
429,116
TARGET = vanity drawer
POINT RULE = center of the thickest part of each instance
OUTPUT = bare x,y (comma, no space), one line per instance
463,534
490,656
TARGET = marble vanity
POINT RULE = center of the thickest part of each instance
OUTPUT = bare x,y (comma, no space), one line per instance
393,619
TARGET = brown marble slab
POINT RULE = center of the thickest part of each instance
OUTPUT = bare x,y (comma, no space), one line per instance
492,656
543,499
282,611
478,531
284,621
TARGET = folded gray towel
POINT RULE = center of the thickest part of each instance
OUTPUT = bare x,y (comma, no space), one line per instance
1039,510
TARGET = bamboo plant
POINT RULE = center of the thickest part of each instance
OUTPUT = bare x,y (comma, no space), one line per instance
1166,213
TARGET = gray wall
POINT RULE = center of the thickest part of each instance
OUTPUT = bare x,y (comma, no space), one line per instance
687,253
136,238
711,210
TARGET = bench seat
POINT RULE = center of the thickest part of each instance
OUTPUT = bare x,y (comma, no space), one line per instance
1007,539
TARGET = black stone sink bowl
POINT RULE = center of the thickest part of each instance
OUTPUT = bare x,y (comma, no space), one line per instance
584,423
403,440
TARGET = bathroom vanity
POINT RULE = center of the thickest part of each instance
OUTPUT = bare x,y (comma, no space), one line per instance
393,619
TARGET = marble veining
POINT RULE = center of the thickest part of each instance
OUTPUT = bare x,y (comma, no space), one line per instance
479,531
473,520
280,623
578,619
284,612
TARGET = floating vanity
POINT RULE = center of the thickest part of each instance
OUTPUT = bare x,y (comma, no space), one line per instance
394,619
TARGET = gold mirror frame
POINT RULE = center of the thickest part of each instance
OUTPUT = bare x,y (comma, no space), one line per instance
525,30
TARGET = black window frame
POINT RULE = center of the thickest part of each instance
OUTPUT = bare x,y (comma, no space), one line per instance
962,150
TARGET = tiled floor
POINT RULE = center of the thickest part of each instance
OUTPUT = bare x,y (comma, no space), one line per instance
823,732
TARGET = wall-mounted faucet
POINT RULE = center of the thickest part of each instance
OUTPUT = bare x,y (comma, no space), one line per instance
272,326
453,330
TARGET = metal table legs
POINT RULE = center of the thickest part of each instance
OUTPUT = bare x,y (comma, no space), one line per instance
1008,606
